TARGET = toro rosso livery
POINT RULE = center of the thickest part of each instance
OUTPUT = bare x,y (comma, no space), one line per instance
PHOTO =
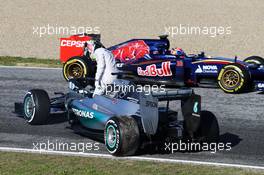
142,120
152,60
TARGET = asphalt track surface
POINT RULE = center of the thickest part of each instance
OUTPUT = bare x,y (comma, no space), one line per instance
241,119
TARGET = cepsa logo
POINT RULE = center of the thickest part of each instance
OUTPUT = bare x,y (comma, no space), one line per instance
153,71
71,43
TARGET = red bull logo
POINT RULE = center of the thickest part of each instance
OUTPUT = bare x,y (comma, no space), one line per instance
153,71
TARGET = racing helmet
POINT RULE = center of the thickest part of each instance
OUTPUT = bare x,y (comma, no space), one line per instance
177,51
91,46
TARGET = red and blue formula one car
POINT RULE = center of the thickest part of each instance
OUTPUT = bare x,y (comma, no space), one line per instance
152,61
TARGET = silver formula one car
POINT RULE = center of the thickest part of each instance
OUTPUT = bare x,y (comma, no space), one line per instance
125,121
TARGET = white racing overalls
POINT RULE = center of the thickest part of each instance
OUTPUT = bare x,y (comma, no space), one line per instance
106,65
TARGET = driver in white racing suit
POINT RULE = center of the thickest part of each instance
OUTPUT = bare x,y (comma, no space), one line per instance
106,65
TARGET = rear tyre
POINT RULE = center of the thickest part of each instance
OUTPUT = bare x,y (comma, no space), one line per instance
121,136
255,60
78,67
234,78
208,131
36,106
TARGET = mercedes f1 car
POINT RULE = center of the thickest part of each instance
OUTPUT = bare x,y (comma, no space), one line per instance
142,120
151,60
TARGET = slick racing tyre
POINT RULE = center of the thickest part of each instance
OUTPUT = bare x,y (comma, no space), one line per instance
208,131
78,67
234,78
121,136
36,106
255,60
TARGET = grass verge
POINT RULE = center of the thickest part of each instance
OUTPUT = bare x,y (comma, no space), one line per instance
25,163
19,61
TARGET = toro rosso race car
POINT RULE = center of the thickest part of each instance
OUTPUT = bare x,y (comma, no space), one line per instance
152,60
141,122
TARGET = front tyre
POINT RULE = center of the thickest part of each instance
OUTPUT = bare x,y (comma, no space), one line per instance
121,136
36,106
234,78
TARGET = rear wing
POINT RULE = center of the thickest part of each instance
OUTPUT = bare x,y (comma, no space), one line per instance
190,107
173,94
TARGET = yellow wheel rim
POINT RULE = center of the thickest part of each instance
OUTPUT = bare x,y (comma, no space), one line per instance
74,70
230,78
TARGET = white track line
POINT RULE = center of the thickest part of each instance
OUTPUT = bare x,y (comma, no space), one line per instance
27,67
81,154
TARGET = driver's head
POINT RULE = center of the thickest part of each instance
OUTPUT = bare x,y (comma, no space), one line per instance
177,51
91,46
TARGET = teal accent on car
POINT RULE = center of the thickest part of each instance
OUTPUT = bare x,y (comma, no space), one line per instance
195,107
27,114
111,145
98,120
